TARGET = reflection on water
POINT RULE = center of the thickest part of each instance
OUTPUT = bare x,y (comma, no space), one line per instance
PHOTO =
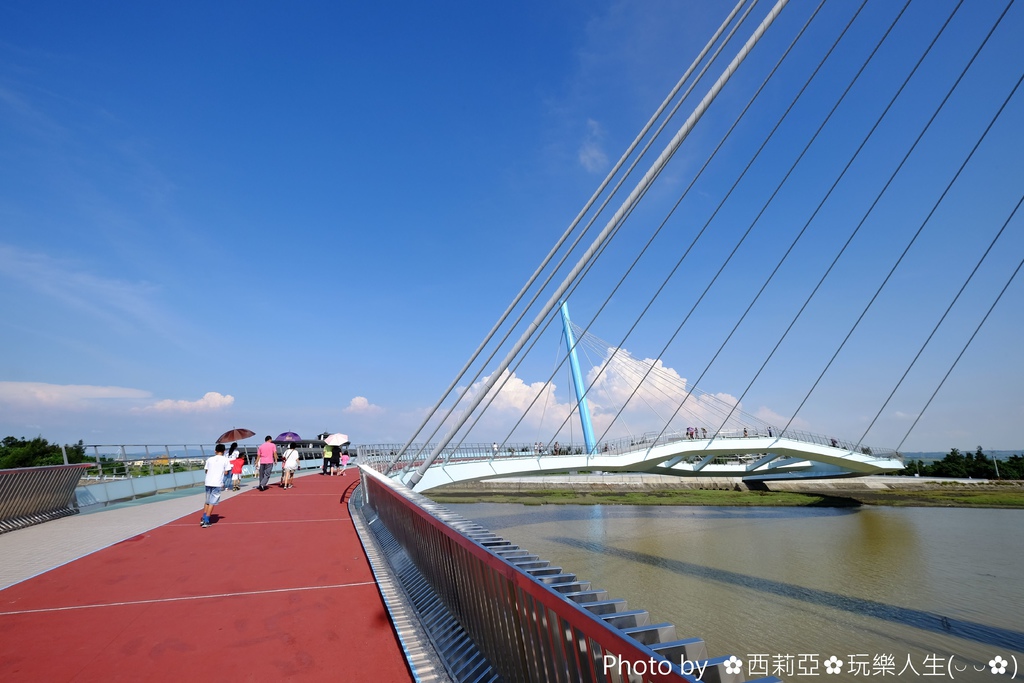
907,582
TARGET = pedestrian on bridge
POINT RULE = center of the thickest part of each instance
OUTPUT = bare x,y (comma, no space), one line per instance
291,463
227,475
217,467
267,453
335,460
237,462
328,450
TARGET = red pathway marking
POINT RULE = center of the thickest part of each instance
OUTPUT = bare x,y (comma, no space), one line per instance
278,588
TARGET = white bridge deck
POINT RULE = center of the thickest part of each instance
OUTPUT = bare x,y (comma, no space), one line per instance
750,458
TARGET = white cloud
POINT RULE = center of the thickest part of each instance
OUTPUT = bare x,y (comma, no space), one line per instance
30,117
117,303
776,420
543,413
545,409
617,383
514,397
86,396
73,396
211,400
361,406
662,392
591,154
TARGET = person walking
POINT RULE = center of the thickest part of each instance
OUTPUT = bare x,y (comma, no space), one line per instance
328,450
227,475
335,460
291,463
217,466
344,461
237,462
267,457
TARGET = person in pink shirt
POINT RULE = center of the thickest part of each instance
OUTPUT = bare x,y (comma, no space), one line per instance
267,453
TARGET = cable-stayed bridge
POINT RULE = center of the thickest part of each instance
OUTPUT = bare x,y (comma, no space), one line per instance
738,445
752,457
822,212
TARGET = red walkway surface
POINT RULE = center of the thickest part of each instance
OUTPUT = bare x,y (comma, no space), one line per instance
278,588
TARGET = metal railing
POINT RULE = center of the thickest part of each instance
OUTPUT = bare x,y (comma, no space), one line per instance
127,471
379,456
118,461
524,624
174,466
32,495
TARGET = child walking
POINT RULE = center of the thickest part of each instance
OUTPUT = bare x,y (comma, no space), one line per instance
237,463
217,466
291,463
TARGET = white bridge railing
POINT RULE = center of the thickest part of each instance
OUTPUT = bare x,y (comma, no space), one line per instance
380,456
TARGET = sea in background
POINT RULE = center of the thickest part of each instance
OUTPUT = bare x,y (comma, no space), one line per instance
784,587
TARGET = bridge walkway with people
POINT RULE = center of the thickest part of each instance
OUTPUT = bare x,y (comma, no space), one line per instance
279,587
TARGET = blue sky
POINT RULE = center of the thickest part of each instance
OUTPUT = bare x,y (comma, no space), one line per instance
306,217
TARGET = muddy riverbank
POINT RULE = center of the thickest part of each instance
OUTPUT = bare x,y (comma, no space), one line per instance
630,489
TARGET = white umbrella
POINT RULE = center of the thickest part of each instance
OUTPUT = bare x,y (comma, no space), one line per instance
337,440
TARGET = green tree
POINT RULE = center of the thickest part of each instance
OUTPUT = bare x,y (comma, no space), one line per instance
38,451
1012,467
979,466
953,465
976,465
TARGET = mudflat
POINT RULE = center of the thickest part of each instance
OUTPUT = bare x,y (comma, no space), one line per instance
897,492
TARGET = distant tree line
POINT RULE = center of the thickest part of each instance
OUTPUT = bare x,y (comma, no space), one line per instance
974,465
38,451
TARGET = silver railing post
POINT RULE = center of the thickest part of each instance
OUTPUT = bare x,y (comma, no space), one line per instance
31,495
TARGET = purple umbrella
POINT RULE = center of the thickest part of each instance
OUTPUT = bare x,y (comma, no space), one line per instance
288,436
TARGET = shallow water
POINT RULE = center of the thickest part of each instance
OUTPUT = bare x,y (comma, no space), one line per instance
783,588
